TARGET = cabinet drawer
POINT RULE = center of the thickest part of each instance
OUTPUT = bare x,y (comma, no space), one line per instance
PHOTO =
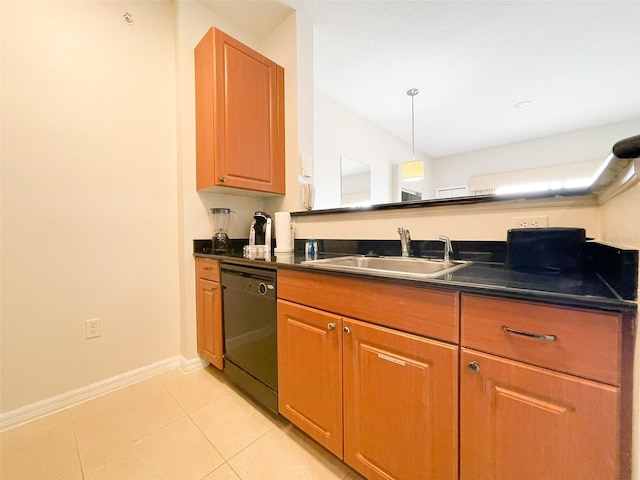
423,311
208,268
579,342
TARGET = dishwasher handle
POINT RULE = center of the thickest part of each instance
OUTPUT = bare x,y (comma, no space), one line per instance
257,287
251,281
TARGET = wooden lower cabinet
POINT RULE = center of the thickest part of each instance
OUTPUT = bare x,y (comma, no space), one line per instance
546,399
534,391
400,404
310,372
398,393
528,423
209,312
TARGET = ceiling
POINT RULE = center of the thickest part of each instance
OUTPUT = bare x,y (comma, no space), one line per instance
577,62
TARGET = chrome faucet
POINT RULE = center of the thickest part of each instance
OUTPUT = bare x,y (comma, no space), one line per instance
405,241
448,249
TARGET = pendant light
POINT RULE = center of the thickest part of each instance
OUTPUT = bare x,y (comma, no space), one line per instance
414,170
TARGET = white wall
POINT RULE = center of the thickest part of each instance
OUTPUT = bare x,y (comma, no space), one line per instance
340,132
621,219
99,207
193,21
88,194
621,226
287,46
570,147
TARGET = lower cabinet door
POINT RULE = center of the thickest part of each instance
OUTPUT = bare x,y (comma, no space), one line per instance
310,372
523,422
400,404
209,321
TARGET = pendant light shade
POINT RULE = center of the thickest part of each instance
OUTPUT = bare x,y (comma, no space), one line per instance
413,170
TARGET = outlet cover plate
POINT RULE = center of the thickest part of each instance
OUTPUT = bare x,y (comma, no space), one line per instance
535,221
92,328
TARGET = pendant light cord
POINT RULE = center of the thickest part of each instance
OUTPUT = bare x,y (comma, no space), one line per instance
413,132
412,93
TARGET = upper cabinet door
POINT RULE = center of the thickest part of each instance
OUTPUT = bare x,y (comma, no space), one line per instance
239,117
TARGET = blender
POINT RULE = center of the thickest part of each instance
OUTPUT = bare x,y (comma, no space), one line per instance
221,218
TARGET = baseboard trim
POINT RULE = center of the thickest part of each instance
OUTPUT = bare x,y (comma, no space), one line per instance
39,409
192,365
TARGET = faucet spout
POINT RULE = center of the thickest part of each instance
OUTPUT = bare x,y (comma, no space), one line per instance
448,249
405,241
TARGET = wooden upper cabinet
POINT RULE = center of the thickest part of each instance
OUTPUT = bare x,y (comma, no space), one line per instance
239,117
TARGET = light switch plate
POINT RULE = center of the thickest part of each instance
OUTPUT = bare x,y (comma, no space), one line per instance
306,165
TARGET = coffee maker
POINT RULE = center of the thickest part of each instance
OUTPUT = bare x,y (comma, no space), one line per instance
260,232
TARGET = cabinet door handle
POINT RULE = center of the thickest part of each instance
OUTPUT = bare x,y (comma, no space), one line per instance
474,367
331,326
222,179
346,330
213,289
207,268
538,336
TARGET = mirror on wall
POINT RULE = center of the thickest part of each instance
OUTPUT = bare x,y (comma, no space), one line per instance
489,111
355,183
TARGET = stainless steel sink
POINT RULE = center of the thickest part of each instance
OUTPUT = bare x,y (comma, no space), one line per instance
390,266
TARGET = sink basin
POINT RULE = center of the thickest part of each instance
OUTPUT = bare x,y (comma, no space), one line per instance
390,266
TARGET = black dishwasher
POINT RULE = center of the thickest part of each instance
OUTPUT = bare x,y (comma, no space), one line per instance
250,333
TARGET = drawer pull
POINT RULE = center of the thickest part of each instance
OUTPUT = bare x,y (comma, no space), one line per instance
538,336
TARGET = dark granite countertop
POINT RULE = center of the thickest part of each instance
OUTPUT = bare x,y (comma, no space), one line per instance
585,289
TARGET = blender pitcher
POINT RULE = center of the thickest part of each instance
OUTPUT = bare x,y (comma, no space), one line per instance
221,218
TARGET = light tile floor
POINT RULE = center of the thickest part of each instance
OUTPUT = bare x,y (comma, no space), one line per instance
172,426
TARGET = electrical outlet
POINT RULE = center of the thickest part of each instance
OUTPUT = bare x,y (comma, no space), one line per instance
531,222
92,328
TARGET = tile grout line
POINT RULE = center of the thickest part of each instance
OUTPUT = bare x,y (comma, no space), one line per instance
208,441
234,470
226,460
193,422
75,441
185,414
250,444
135,441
